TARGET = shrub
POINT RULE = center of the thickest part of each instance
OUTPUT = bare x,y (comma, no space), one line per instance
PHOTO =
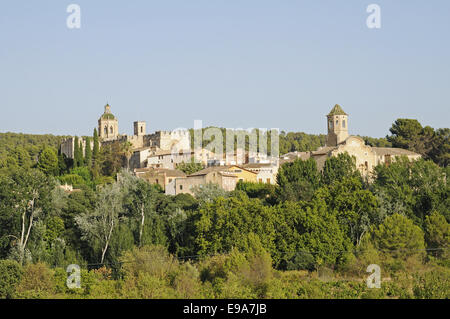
37,282
10,275
432,285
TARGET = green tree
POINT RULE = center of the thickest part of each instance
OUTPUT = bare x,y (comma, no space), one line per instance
88,152
412,188
440,153
48,162
25,198
99,224
127,152
297,180
10,276
356,208
398,237
138,200
208,192
76,153
96,149
190,168
437,234
263,191
224,223
409,134
339,167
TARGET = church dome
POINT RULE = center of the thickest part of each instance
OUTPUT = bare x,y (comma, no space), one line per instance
107,115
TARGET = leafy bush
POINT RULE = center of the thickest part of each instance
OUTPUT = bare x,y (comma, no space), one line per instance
10,275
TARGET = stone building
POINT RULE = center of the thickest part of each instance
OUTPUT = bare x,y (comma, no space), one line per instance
225,179
161,176
143,144
67,147
339,141
265,172
108,125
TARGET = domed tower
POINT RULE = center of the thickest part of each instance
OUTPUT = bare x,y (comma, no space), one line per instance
108,125
337,126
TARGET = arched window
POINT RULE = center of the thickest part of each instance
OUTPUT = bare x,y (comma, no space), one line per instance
343,123
337,122
106,130
142,129
111,130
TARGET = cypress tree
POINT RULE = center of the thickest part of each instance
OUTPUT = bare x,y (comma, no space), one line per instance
76,151
80,154
96,145
88,152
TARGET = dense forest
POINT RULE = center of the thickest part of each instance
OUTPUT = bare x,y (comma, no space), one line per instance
312,235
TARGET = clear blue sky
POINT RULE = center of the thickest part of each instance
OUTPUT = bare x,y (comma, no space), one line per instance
230,63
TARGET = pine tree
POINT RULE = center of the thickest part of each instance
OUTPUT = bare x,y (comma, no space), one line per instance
88,152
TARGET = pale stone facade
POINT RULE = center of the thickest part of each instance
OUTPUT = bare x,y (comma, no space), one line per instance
143,144
108,125
168,159
337,121
266,173
367,157
67,147
225,180
161,176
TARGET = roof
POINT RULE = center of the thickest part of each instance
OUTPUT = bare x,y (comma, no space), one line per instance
168,152
337,110
211,169
108,116
257,165
323,150
155,171
392,151
292,156
219,169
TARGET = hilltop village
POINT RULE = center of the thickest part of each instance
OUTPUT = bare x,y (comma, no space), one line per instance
155,157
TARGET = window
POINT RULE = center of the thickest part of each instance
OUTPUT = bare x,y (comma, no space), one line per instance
106,130
337,122
260,180
111,130
268,181
343,123
142,129
157,182
181,187
170,180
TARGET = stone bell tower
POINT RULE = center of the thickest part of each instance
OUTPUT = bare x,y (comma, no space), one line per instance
108,125
337,126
